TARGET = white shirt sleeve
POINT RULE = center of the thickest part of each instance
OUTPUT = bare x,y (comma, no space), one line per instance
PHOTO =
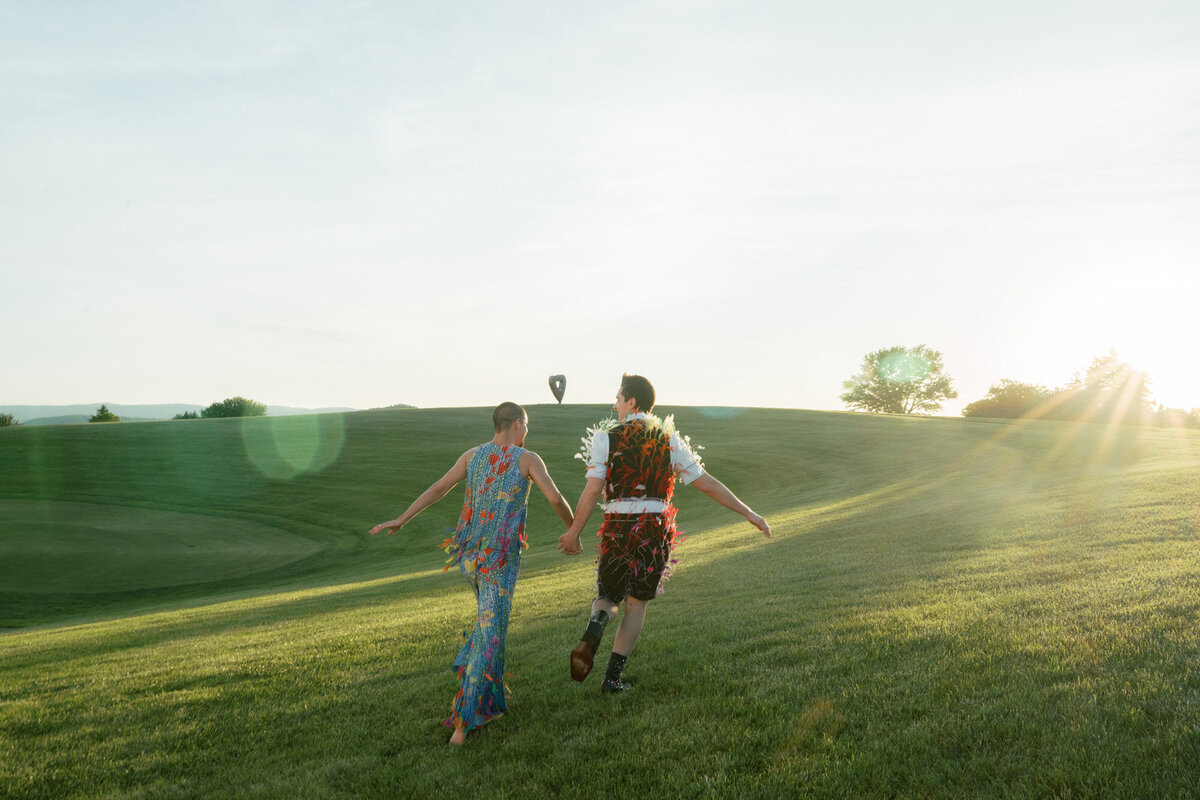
683,460
597,464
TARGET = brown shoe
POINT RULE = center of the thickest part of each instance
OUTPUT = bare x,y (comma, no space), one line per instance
581,661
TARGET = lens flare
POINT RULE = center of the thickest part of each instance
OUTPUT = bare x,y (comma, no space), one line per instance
284,447
903,367
721,412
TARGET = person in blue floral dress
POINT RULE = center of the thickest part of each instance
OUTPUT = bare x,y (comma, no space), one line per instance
486,546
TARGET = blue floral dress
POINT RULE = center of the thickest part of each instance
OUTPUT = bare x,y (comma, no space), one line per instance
487,547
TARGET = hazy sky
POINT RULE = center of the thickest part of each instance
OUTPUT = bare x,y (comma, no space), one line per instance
366,203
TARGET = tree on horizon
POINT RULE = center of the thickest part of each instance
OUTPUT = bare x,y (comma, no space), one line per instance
1010,399
104,415
234,407
899,380
1108,390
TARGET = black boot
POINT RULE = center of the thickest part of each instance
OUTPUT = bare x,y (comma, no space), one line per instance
612,676
585,651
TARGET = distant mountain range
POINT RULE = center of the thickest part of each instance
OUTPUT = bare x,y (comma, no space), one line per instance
67,415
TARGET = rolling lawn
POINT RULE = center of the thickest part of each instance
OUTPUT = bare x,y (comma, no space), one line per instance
948,608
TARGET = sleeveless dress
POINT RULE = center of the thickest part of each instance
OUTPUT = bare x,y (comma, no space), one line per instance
486,546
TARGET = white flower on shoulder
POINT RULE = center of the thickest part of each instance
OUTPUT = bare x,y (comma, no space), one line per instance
601,427
668,426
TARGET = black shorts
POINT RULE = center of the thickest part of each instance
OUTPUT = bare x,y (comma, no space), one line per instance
635,554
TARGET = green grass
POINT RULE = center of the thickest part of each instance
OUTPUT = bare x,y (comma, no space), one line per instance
950,608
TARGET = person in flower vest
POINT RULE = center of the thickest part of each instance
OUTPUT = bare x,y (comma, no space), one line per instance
631,467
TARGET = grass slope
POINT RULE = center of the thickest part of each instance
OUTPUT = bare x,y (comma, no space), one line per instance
950,608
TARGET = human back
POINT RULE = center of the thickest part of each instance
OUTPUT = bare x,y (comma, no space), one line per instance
639,462
491,527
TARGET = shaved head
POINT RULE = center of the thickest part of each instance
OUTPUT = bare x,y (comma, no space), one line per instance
505,415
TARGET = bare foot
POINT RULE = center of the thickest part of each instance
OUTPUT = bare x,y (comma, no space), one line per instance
460,735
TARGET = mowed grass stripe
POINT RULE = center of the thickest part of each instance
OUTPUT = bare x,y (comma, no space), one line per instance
52,547
949,609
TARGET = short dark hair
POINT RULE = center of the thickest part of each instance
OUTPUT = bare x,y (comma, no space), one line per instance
505,415
638,389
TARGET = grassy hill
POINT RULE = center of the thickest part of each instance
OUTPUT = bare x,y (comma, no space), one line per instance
948,608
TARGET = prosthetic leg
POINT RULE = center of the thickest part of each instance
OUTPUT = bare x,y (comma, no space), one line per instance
585,651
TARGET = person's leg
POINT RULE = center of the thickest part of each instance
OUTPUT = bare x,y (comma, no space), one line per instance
461,664
604,611
630,627
605,605
482,693
626,638
612,582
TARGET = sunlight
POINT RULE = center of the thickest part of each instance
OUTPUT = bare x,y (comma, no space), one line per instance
1115,380
1134,302
1171,369
1133,384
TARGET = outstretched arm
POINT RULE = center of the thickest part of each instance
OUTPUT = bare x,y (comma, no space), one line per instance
537,472
430,496
569,541
720,492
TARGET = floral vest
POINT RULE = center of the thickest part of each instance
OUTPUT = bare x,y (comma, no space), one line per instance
639,463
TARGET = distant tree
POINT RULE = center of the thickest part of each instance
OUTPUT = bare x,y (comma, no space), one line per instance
899,380
1109,390
234,407
8,421
187,415
1009,399
104,415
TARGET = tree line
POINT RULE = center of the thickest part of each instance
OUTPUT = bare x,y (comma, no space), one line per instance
1108,390
913,380
229,407
908,380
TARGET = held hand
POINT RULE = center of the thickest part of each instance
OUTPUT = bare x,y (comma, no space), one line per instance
760,523
568,544
391,526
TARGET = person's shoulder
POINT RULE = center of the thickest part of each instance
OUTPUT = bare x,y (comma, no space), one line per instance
482,447
530,461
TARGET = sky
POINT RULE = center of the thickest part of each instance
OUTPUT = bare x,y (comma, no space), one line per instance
441,204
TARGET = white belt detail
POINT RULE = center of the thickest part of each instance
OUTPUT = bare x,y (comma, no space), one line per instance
635,507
